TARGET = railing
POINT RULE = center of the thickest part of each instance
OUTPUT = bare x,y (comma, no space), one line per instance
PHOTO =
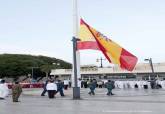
28,85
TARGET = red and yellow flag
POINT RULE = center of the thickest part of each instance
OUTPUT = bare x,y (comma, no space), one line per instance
92,39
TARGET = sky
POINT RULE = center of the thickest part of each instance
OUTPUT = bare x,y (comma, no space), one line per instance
45,27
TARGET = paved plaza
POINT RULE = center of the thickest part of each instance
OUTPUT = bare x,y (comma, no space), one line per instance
125,101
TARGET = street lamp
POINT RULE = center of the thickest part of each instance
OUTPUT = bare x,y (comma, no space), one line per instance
151,65
150,62
101,61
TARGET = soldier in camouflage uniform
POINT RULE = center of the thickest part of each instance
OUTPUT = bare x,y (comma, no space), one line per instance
110,86
16,91
92,86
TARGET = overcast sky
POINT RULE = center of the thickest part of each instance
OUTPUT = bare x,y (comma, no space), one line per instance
44,27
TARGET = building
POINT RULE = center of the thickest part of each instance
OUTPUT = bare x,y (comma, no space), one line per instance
141,71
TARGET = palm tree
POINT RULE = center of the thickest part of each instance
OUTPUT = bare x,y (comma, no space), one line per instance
46,68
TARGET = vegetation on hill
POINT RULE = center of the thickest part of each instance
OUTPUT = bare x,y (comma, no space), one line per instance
15,65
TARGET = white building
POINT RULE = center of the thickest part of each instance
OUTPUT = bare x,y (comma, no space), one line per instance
141,71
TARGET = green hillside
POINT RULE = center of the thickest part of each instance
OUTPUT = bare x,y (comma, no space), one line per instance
15,65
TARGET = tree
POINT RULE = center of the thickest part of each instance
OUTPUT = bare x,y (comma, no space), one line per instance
46,68
16,65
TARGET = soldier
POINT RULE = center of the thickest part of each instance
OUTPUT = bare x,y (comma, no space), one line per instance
85,84
109,86
60,87
16,91
92,86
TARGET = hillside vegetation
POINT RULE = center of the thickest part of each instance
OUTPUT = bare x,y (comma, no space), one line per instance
15,65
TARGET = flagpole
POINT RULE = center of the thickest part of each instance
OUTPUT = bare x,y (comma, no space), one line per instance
76,54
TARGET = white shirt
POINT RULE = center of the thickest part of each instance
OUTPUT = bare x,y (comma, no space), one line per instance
163,84
79,83
132,84
66,82
4,91
51,86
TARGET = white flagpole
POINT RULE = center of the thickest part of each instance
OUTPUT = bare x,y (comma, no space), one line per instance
76,54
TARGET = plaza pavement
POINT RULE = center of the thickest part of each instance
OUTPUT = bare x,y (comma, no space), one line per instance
125,101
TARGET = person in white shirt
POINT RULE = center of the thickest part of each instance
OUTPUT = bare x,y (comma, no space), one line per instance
163,84
51,88
121,85
79,83
4,91
132,84
66,84
145,85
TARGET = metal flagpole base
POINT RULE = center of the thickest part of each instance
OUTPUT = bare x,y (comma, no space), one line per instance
76,93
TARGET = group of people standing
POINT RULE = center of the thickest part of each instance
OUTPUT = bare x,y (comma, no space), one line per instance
4,90
140,84
93,84
53,87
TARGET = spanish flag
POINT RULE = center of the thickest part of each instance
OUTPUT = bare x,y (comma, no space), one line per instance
92,39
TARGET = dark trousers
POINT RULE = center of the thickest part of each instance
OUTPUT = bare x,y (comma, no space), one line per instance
15,97
65,87
145,86
85,85
51,93
100,86
109,92
136,86
43,93
92,91
61,92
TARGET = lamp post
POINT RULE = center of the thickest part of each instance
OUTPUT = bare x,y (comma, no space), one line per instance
151,65
150,62
101,61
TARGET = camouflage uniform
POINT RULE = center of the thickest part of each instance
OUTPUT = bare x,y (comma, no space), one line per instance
92,86
110,86
16,92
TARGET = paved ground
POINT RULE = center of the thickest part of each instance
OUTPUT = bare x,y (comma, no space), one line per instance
124,102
